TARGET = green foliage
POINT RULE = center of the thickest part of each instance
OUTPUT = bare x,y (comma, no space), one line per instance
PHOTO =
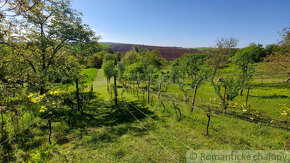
231,89
109,57
108,68
153,58
256,52
135,71
244,63
192,67
96,60
55,29
130,58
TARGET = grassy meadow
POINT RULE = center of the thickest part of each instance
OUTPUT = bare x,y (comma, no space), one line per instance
104,133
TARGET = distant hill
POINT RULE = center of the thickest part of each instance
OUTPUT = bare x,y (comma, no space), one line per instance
169,53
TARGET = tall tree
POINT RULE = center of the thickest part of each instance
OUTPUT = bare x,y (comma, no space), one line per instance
45,29
219,57
244,63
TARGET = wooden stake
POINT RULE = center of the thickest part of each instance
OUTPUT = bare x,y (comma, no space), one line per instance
148,90
193,97
225,93
49,123
207,126
247,95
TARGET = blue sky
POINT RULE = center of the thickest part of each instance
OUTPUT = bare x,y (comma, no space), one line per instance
185,23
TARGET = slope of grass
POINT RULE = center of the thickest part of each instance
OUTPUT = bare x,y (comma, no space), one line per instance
114,135
104,133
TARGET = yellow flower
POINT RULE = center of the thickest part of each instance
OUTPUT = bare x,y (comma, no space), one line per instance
54,92
42,109
41,96
34,100
284,113
245,110
53,103
30,95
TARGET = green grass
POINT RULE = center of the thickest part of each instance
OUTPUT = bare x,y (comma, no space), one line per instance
115,136
108,134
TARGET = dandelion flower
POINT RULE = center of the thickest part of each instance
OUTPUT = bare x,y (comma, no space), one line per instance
42,109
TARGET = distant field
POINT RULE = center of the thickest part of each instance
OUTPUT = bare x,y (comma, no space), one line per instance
169,53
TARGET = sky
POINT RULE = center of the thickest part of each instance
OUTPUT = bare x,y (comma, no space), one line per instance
185,23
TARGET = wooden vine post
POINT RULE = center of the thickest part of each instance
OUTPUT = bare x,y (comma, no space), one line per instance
49,125
247,95
224,99
2,118
148,90
193,98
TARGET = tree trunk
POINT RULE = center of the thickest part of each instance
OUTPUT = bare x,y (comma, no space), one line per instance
163,106
42,90
241,93
213,75
148,90
49,138
193,98
115,90
108,88
78,96
224,99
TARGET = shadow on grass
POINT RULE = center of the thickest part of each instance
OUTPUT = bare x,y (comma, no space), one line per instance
271,85
101,122
98,113
270,96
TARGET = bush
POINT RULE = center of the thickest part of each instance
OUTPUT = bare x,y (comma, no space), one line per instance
96,60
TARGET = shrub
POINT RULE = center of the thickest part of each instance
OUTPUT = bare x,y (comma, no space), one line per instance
96,60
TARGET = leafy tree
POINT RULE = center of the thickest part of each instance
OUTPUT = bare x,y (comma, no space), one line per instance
131,57
219,57
108,68
164,81
96,60
244,63
135,72
84,51
285,34
255,52
153,58
193,65
174,70
227,90
46,29
278,62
